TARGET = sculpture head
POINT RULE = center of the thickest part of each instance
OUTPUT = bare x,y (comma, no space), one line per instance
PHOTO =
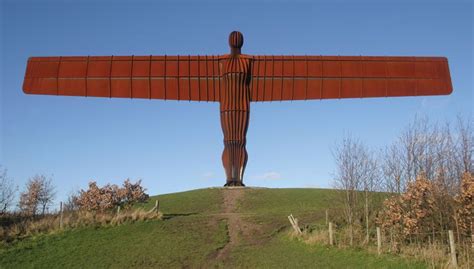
236,40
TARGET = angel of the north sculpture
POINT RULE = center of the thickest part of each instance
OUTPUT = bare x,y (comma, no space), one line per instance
235,80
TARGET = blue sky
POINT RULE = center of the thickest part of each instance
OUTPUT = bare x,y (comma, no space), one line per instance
176,146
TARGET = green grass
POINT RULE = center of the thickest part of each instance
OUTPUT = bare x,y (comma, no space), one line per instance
192,233
145,244
286,201
277,204
270,207
202,201
282,252
184,238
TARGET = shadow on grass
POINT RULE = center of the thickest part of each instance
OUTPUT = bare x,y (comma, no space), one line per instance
170,216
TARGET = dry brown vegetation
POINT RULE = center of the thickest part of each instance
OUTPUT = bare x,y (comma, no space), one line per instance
37,197
424,210
22,227
110,196
94,206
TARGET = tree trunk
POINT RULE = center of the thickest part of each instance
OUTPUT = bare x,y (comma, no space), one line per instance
367,215
351,234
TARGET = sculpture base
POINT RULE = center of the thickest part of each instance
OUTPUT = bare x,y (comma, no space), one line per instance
234,184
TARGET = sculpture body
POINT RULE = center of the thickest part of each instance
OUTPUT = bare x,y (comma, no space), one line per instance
235,109
235,80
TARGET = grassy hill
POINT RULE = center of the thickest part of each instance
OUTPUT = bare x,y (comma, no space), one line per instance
216,228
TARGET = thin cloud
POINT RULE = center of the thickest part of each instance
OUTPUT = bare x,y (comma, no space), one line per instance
269,176
208,175
434,103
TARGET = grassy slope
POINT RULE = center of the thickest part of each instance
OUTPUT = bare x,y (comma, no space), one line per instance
282,252
192,233
178,241
271,208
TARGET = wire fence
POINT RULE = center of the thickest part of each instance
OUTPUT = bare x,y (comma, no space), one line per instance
437,248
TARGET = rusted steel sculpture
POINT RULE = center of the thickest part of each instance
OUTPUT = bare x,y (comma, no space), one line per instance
235,80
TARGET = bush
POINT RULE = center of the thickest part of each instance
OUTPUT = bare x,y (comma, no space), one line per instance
411,212
465,204
425,209
110,196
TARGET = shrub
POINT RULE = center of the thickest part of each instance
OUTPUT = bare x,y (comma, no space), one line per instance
110,196
465,203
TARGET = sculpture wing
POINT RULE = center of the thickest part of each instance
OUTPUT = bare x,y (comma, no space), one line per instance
190,78
277,78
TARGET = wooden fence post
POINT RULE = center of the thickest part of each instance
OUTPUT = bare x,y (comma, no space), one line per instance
331,235
297,227
291,222
60,215
452,246
156,208
118,210
327,217
379,241
294,223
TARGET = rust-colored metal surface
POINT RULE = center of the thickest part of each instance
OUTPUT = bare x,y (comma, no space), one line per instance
235,80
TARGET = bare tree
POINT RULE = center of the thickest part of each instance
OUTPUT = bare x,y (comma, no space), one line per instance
413,143
356,170
7,191
427,148
392,169
371,182
465,146
38,195
72,203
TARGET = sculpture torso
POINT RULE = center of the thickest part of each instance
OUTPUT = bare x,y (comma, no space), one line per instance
236,80
235,108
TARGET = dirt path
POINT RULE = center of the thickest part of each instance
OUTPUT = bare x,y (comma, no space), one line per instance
234,221
238,229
